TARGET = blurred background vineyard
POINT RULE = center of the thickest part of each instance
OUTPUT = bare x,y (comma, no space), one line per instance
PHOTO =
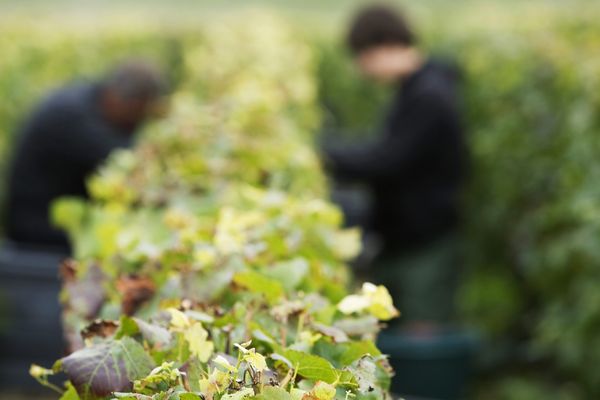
531,80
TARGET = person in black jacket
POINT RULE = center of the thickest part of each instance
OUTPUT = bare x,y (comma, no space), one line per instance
415,167
66,138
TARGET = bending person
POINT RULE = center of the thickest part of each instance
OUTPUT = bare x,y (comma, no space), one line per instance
66,137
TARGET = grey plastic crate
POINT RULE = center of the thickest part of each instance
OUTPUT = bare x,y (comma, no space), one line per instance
30,330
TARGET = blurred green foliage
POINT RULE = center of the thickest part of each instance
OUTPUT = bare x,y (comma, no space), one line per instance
532,213
531,98
349,102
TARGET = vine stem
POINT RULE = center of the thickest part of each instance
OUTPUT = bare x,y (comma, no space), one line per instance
51,386
293,380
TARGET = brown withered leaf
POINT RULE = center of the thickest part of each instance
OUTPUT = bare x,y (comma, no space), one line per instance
68,270
86,295
135,291
100,328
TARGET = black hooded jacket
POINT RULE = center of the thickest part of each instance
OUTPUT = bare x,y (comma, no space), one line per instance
416,167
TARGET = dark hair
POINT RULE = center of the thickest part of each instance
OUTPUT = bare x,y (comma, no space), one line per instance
136,80
378,25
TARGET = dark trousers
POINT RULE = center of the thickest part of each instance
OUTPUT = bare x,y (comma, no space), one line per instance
422,281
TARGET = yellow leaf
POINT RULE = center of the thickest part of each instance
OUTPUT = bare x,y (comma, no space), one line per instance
353,303
196,337
323,391
374,299
256,360
347,244
205,256
39,372
222,361
178,319
381,304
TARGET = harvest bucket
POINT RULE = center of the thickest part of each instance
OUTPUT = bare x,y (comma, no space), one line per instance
30,330
436,366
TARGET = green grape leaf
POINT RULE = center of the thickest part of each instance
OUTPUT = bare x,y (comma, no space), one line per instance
132,396
358,326
260,336
154,334
189,396
312,367
257,283
355,350
273,393
70,394
127,327
107,367
347,379
239,395
68,213
282,359
289,273
365,373
337,335
193,374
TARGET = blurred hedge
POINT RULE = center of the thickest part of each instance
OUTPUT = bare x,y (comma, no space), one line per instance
532,211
